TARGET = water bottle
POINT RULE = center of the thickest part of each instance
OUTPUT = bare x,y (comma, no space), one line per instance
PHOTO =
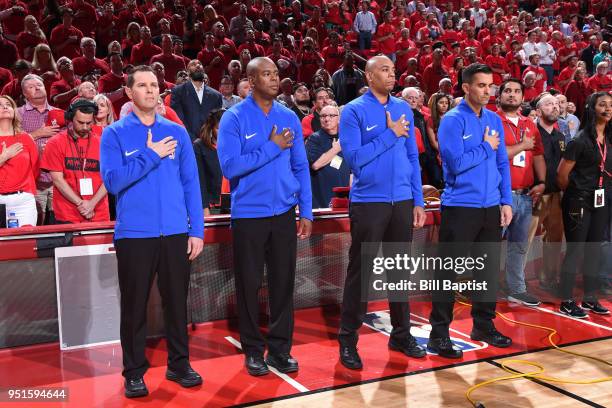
12,221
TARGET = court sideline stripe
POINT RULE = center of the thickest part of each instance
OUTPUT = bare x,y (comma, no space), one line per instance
554,388
583,321
411,373
284,376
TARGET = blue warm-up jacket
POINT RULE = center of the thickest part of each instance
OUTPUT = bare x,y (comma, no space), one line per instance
155,196
385,167
475,174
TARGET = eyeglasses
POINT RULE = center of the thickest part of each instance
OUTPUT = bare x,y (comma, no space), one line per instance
328,116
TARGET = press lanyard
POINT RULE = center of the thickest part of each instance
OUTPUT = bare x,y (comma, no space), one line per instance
522,132
78,152
602,165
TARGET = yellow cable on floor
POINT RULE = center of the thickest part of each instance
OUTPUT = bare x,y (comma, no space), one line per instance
540,369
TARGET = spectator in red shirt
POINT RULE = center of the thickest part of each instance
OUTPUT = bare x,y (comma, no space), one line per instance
514,59
155,15
577,91
112,83
406,49
333,53
312,122
8,50
64,90
18,165
567,74
131,15
85,17
88,62
255,49
602,80
165,87
213,61
65,38
308,61
541,77
5,77
434,73
145,49
73,159
471,41
224,44
172,63
13,23
107,29
497,64
385,35
13,88
531,91
29,38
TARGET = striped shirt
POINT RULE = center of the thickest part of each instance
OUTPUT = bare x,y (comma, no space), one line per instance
31,120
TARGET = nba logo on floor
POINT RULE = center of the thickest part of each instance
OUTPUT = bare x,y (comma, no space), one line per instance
381,322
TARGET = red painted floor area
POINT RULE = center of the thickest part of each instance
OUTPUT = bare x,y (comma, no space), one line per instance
93,376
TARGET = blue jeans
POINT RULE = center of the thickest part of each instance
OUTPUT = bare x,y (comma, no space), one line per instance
550,73
365,40
605,269
517,235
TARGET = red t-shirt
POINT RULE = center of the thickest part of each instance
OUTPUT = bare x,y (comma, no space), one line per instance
76,160
498,62
309,65
522,177
110,82
59,35
87,18
387,46
564,52
60,87
215,72
142,53
20,172
600,83
82,66
27,40
5,77
172,64
333,58
13,24
432,77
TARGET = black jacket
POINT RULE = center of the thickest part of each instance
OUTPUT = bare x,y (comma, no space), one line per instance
184,101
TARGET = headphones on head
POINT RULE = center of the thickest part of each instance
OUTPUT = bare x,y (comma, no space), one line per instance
83,105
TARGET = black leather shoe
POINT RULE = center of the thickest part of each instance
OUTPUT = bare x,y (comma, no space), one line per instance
256,365
408,346
492,337
187,379
282,362
444,347
350,358
135,387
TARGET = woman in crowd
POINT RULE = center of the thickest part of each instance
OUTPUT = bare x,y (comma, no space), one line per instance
43,65
584,173
18,165
577,91
105,115
133,38
205,148
439,104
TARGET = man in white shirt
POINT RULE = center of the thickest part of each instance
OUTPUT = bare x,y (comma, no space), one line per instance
547,56
479,14
530,47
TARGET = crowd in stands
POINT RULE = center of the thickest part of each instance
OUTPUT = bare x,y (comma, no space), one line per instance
54,52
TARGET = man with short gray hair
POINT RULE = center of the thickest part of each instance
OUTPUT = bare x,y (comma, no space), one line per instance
88,62
34,120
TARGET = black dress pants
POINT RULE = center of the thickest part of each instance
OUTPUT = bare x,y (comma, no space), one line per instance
373,223
585,229
273,241
138,260
466,231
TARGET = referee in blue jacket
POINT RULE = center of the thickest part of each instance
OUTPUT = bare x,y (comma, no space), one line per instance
261,153
476,204
148,163
386,199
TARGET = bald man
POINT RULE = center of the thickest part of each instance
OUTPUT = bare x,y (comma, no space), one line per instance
386,200
261,152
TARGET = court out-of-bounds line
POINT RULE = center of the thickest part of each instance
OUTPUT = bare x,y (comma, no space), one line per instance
285,377
583,321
